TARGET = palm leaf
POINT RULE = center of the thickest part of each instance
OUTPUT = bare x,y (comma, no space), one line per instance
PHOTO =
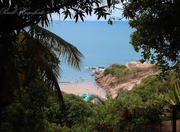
45,63
67,51
43,46
173,96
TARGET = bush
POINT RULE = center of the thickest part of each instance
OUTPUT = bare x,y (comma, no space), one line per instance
150,88
27,111
76,110
137,110
53,127
121,72
116,70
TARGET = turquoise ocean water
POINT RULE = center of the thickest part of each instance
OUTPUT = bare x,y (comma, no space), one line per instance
100,43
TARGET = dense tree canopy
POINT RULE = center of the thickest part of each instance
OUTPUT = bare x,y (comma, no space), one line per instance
157,29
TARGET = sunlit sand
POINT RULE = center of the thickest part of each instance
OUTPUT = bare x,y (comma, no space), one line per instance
80,88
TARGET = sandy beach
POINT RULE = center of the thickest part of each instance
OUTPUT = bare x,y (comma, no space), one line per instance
80,88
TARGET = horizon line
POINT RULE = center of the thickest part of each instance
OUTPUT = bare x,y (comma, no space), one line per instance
91,20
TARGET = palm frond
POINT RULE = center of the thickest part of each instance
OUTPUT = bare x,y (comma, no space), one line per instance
42,46
45,64
67,51
173,96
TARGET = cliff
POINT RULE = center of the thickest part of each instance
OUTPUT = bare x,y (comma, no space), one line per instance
118,77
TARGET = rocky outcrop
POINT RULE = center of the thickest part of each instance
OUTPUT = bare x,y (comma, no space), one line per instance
112,87
139,65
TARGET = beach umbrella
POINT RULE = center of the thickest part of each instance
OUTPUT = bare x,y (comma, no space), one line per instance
84,95
89,97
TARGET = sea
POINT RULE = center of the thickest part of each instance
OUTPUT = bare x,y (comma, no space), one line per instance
100,43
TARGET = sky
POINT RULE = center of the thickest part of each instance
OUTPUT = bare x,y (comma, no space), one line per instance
116,13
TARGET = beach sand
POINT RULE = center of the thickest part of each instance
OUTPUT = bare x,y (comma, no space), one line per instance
80,88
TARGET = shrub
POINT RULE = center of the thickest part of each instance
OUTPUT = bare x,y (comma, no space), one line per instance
27,111
121,72
76,110
53,127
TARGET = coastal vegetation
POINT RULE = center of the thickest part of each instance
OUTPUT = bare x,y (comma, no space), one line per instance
157,30
30,96
123,74
141,109
118,77
120,71
30,56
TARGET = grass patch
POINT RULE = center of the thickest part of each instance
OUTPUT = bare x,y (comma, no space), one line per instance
120,70
122,73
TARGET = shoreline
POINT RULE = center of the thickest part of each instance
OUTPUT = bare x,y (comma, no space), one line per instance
83,87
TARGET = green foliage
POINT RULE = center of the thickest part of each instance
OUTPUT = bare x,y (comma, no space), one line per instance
156,33
121,73
52,127
28,110
66,51
150,88
129,99
35,61
31,13
112,115
29,67
75,111
138,110
120,70
173,96
115,69
137,114
28,51
34,109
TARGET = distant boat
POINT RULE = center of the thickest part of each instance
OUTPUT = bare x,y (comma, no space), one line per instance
100,68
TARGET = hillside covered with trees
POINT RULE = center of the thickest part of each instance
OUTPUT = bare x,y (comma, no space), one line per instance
141,109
